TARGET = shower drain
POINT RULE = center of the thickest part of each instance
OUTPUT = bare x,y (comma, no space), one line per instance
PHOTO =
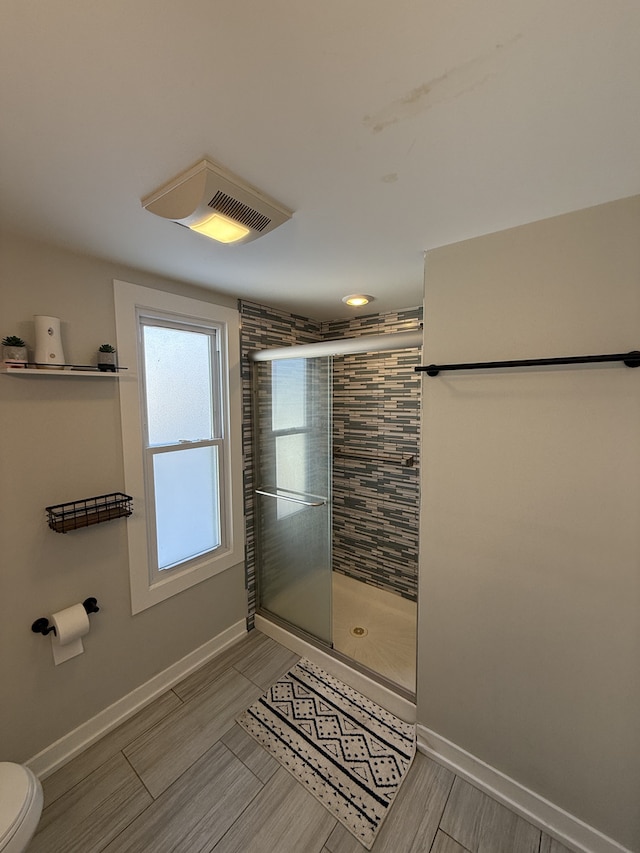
358,631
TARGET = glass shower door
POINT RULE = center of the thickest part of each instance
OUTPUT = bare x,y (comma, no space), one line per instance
293,507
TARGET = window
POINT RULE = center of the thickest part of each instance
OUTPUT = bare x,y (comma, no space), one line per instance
290,429
181,430
182,439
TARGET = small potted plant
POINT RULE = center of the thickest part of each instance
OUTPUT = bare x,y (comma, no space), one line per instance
14,350
107,358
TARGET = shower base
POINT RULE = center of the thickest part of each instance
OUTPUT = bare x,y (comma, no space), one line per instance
375,628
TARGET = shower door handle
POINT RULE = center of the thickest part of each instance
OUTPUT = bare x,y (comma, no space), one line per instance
318,502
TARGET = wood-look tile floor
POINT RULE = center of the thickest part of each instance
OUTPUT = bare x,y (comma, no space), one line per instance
181,775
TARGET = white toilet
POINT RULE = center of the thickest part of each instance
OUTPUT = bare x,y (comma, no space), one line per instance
20,806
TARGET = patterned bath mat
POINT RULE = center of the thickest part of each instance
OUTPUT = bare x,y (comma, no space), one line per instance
348,752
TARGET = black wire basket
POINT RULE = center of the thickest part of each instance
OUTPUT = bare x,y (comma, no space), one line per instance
88,511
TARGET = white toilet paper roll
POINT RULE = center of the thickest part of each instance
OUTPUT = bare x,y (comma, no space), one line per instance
71,625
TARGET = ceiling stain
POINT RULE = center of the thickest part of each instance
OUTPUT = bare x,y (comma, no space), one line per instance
452,84
391,178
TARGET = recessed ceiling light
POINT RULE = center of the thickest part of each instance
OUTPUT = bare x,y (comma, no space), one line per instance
357,299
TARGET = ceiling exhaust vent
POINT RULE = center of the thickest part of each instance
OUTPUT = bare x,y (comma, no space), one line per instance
211,200
238,211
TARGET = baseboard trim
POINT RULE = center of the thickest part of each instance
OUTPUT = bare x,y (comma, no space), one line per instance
67,747
567,829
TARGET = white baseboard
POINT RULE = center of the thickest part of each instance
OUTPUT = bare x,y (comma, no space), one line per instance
67,747
384,697
569,830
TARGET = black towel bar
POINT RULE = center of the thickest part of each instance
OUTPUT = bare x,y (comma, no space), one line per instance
631,359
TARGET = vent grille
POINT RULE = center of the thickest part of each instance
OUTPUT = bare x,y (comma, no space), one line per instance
239,212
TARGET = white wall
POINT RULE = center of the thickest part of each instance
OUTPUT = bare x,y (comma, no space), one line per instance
529,636
60,441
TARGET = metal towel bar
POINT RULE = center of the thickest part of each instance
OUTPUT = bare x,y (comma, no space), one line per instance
631,359
280,497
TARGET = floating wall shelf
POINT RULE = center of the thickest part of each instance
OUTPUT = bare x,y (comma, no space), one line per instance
66,370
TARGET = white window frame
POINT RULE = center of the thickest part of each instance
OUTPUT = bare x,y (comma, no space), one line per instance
131,302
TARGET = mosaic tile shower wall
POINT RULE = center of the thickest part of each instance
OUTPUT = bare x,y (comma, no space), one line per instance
376,441
376,414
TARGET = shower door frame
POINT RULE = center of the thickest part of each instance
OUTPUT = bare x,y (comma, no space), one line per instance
342,346
308,500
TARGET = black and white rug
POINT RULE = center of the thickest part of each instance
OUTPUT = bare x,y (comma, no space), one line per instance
348,752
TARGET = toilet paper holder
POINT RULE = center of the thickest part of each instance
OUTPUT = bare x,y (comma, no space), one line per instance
42,626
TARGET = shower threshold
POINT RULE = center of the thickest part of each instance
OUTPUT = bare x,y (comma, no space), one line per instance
385,693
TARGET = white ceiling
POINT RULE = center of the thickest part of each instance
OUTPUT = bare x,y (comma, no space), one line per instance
388,128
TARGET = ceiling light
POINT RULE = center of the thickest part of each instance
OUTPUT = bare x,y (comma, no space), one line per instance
220,228
212,201
357,299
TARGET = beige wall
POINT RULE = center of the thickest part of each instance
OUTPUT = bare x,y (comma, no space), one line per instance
529,637
61,441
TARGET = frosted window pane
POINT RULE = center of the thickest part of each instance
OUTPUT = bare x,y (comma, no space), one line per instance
288,379
178,380
187,508
291,469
